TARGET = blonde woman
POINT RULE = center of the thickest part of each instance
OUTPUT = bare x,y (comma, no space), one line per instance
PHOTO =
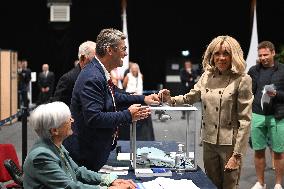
133,81
225,91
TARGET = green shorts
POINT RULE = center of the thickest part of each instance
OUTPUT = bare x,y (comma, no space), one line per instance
264,128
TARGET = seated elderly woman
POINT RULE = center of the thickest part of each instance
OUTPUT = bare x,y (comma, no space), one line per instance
48,164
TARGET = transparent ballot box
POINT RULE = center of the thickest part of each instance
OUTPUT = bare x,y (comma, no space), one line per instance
175,127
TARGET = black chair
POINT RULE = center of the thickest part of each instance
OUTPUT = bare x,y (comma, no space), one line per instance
14,171
7,152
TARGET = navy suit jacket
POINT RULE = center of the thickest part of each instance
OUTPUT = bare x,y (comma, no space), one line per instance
95,118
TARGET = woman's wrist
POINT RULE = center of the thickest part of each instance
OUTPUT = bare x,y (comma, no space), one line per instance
172,101
237,155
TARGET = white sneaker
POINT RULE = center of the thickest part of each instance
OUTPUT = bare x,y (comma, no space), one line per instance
259,186
278,186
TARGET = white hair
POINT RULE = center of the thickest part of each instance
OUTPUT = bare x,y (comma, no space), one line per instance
135,65
87,49
47,116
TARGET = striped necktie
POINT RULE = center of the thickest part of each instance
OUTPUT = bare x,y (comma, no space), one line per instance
115,134
111,86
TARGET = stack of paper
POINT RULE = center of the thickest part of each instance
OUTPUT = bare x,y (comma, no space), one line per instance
265,98
144,172
167,183
123,156
150,172
116,170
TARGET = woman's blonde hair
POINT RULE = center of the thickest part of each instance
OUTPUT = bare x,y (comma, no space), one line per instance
233,47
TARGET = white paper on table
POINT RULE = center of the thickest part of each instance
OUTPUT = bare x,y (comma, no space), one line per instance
265,98
167,183
144,170
188,183
153,184
123,156
120,168
116,170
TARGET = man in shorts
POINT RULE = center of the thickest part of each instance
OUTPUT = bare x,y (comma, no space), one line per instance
266,122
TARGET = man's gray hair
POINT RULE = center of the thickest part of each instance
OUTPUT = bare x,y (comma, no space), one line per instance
108,38
87,49
47,116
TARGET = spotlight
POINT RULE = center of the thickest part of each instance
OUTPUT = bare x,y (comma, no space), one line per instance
185,53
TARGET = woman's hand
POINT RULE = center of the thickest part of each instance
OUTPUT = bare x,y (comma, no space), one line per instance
123,184
165,95
233,163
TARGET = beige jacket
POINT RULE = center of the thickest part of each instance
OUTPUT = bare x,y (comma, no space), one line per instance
226,107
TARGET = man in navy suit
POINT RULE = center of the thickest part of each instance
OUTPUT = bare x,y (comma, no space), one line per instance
94,103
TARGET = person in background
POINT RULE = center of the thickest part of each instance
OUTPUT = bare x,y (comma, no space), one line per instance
28,74
19,81
46,84
65,85
133,81
267,117
225,91
94,102
187,77
116,78
24,78
133,84
127,70
48,164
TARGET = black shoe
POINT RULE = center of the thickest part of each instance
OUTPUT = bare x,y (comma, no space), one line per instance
182,117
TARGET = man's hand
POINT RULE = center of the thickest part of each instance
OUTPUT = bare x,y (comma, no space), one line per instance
139,112
271,93
152,99
44,89
123,184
